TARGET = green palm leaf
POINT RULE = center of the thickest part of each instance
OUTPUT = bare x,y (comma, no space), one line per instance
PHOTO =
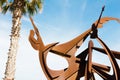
29,7
5,9
2,2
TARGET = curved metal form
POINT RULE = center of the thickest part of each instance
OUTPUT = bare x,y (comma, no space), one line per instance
82,64
116,69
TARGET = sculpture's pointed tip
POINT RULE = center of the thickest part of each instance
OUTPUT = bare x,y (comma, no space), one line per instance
103,8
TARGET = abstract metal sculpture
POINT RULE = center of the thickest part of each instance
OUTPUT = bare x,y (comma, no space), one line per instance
80,65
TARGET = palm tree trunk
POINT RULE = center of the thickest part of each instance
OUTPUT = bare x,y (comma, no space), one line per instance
14,38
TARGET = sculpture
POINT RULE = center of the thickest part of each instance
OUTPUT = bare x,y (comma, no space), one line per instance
80,65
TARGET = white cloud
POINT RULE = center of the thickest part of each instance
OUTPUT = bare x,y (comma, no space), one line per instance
4,45
56,62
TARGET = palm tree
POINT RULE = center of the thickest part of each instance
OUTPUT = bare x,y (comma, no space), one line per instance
18,8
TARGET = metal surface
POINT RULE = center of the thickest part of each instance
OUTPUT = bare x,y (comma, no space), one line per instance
82,64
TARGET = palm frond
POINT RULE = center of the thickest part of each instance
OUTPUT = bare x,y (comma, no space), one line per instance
24,11
2,2
5,5
34,7
39,4
11,7
5,9
29,7
31,10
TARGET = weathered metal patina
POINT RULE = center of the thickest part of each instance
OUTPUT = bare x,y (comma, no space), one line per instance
82,64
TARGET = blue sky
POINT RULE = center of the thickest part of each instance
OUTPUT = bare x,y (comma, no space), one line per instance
60,21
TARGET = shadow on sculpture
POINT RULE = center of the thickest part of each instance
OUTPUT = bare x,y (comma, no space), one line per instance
82,64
